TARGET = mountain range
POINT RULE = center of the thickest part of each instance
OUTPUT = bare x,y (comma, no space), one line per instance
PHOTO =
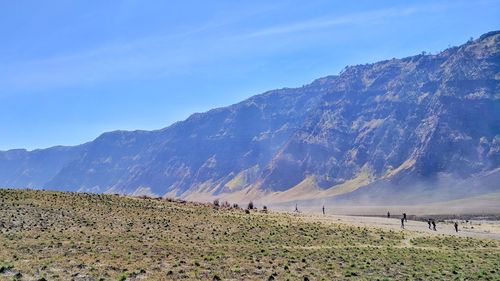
419,129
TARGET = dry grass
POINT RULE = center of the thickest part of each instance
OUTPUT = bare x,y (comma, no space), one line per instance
74,236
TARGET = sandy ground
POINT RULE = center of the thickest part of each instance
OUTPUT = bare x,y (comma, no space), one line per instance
475,228
487,204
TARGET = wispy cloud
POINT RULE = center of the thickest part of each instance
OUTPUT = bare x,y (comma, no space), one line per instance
152,56
118,60
165,54
354,18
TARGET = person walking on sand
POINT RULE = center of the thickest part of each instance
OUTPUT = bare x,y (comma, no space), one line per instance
404,217
429,222
456,226
434,225
403,223
296,208
388,215
323,210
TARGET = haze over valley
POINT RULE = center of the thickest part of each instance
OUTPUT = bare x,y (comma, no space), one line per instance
420,129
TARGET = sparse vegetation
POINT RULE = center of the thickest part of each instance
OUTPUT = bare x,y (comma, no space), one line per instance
216,203
226,205
65,236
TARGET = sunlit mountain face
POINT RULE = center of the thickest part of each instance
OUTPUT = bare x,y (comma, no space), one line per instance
421,125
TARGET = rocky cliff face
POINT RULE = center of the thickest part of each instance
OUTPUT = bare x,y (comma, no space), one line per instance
201,153
425,114
385,124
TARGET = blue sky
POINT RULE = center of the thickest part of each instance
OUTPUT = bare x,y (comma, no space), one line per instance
71,70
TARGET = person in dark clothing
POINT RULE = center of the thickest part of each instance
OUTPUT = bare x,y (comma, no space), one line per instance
388,215
434,225
403,223
323,210
404,217
296,208
456,226
429,222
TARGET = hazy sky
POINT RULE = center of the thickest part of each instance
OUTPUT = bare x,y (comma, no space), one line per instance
70,70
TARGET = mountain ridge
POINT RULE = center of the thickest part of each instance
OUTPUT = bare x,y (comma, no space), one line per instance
418,117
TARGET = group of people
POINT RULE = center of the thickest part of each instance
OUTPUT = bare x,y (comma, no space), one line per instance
404,219
430,222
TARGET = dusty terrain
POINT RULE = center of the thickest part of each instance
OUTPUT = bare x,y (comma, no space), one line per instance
489,229
476,206
75,236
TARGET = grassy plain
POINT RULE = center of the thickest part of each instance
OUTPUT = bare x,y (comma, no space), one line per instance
74,236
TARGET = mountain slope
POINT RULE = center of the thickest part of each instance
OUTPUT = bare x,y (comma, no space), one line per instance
206,149
21,168
423,114
395,126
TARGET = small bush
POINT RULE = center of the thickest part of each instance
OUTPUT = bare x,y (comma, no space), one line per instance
5,268
123,277
250,206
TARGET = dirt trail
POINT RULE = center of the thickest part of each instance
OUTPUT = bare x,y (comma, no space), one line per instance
475,228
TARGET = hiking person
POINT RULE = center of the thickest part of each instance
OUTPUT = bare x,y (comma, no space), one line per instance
403,223
434,225
429,222
404,217
388,215
323,210
456,226
296,208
